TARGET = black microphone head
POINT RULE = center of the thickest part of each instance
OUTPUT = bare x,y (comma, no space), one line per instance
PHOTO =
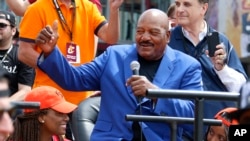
134,65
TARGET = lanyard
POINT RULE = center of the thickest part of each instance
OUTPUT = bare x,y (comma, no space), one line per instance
62,19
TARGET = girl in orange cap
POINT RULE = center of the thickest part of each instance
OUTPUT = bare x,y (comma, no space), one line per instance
47,123
220,133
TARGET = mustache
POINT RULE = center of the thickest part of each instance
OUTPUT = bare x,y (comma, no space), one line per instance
145,43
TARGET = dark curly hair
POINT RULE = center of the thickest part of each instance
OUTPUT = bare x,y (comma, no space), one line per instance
27,126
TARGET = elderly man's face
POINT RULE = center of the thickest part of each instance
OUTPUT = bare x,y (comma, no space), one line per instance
151,38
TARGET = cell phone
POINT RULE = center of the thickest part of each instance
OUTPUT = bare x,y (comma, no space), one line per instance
212,41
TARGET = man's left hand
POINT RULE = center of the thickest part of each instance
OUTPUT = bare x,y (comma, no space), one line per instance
219,59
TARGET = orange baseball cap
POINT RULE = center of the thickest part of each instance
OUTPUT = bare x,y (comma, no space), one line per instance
49,97
224,116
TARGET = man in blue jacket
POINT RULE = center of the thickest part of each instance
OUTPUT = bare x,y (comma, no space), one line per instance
160,68
221,72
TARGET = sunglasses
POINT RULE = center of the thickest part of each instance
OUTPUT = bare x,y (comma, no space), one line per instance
3,25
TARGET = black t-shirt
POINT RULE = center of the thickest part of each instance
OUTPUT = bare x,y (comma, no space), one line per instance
19,72
148,68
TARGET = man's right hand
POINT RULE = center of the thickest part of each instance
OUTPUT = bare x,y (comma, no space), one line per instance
47,38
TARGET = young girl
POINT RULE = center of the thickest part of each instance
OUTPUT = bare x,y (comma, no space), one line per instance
220,133
47,123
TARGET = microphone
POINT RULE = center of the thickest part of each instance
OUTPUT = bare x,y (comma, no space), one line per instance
135,66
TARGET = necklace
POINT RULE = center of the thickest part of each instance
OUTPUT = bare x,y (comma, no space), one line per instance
6,54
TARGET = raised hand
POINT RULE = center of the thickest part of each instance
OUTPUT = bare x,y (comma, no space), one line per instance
47,38
115,4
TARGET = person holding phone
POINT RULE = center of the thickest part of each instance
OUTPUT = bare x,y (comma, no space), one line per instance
221,72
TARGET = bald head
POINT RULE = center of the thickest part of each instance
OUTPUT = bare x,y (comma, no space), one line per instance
154,15
152,34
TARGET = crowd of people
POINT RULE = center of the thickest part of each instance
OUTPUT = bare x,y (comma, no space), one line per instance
54,64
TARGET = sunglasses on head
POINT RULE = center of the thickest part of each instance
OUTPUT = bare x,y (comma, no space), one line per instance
3,25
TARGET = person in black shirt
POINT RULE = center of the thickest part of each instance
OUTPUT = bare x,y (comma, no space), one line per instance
21,75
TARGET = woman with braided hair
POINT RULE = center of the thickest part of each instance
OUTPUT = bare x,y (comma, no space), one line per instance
47,123
220,133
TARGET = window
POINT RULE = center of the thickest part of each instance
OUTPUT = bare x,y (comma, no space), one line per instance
129,14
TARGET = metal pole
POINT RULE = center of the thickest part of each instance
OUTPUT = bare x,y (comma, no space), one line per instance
25,105
199,97
173,131
168,119
143,7
198,122
188,94
173,121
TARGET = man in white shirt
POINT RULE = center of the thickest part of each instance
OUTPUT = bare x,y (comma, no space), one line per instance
223,71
